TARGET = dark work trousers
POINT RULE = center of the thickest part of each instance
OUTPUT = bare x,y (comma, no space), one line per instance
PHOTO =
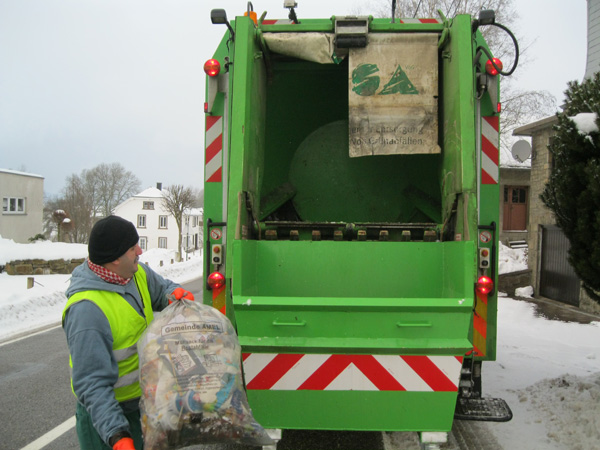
89,439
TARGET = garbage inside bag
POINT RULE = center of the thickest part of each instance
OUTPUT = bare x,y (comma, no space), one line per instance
191,381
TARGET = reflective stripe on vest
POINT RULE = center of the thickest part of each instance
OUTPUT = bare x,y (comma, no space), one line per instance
127,326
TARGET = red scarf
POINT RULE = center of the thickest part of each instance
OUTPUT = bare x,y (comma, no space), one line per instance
107,275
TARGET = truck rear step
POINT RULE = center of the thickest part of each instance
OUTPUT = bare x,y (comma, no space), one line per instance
484,409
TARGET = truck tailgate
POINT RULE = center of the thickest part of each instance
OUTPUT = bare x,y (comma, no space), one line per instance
322,354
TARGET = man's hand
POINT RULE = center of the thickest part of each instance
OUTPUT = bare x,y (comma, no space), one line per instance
125,443
179,294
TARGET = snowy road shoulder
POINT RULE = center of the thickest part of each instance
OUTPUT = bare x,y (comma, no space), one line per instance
549,373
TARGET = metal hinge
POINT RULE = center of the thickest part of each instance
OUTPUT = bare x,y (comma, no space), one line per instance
351,31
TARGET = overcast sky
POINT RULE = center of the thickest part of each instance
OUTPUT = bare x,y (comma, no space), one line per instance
89,81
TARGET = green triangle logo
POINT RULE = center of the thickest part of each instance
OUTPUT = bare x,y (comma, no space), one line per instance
365,83
399,84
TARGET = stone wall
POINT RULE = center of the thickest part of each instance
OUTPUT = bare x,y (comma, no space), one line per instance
42,267
541,166
509,282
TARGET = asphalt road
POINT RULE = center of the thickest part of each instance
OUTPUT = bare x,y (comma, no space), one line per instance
37,404
37,399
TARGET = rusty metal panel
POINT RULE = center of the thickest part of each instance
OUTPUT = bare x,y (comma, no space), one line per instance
558,280
393,95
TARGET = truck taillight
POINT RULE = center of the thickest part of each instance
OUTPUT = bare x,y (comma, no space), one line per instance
215,280
489,67
484,285
212,67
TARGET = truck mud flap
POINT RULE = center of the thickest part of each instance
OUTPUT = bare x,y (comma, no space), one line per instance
483,409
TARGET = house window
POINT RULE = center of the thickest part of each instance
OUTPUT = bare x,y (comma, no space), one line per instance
141,220
143,243
162,222
195,221
162,242
13,205
148,205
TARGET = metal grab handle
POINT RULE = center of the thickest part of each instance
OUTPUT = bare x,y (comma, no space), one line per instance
413,324
289,324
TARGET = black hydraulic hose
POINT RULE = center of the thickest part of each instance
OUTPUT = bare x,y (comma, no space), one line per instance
489,55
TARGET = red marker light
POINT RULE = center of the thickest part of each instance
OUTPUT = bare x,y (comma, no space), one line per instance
489,67
212,67
484,285
216,280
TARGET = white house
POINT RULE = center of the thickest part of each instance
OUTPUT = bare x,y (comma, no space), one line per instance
192,229
22,205
156,226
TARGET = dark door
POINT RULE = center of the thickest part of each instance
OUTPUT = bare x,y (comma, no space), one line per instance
557,278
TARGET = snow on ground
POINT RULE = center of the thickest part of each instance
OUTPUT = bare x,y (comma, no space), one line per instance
547,370
549,373
511,259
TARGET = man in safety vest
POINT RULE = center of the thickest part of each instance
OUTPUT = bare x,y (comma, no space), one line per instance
111,300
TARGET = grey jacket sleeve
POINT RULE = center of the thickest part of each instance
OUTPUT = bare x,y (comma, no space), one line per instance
159,288
95,371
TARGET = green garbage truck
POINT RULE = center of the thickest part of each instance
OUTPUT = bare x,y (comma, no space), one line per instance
350,218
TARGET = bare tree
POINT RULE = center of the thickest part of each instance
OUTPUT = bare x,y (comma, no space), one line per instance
518,106
78,201
111,184
58,217
198,198
51,204
176,199
94,194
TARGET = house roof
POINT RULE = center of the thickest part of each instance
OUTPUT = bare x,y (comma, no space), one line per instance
25,174
193,211
531,128
151,192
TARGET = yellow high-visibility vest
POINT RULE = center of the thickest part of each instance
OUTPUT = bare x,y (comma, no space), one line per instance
127,326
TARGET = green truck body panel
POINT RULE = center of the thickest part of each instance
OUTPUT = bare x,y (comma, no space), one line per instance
362,269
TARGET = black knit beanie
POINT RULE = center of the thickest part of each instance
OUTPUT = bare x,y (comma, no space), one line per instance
110,238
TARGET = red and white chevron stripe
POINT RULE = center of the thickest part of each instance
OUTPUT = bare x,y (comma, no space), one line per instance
277,22
420,21
213,158
490,154
282,371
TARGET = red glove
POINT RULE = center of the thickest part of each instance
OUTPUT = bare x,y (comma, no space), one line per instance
180,293
125,443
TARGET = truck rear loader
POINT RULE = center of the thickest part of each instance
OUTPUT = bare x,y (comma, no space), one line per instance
350,217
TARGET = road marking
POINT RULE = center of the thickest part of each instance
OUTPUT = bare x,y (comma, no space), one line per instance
51,435
20,338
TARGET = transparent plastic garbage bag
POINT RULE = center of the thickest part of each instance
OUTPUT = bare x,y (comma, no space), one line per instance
191,381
